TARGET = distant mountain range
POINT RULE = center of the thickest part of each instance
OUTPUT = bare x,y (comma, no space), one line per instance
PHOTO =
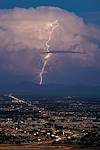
29,88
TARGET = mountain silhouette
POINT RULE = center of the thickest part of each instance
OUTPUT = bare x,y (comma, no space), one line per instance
30,88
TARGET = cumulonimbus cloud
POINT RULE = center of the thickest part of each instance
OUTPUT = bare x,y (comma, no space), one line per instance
23,33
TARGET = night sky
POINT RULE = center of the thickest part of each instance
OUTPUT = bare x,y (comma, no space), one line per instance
24,30
70,5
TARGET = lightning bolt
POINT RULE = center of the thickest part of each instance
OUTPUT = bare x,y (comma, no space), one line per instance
53,26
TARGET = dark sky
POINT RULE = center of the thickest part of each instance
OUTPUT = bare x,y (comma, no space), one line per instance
71,5
85,8
89,10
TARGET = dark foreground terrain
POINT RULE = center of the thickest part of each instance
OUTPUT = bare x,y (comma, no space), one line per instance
40,147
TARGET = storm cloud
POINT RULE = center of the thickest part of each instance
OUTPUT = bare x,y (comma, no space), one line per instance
23,33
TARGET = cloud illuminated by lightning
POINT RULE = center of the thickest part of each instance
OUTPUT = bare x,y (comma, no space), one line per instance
53,26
